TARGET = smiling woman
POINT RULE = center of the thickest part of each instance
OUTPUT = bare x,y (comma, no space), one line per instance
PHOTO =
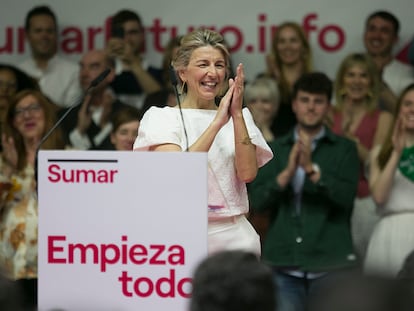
28,117
290,57
227,132
357,117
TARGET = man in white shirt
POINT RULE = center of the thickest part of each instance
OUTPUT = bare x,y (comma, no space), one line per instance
380,37
57,77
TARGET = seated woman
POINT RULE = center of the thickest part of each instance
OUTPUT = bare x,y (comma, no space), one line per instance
29,116
357,117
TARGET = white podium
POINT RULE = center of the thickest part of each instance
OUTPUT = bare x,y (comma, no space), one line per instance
120,230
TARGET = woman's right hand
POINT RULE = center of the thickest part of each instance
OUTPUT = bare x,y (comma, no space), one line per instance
9,151
223,112
398,137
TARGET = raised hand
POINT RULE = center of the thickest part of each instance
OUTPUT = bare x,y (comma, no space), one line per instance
84,115
237,99
398,137
223,112
294,158
9,151
305,151
108,99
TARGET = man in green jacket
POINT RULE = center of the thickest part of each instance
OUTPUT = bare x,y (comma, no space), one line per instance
309,187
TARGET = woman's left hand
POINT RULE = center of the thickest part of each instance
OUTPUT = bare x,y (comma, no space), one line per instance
237,99
223,112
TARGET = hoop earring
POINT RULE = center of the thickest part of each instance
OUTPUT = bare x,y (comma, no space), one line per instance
182,87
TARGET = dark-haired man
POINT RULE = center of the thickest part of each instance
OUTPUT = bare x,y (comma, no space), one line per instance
135,78
380,37
232,281
309,188
57,77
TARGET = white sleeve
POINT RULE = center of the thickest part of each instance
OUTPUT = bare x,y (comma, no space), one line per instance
158,126
79,141
263,152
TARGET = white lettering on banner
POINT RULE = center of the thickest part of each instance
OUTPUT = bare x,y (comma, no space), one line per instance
66,253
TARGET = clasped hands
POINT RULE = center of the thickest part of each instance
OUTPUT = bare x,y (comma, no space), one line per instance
232,102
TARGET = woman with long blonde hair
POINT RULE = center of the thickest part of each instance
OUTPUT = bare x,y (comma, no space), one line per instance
289,58
357,117
392,185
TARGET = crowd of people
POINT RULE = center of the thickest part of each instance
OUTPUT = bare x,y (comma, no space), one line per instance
310,181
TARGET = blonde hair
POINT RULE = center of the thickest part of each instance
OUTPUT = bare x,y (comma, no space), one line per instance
365,61
387,147
196,39
307,54
262,87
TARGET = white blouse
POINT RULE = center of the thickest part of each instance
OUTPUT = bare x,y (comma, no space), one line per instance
227,195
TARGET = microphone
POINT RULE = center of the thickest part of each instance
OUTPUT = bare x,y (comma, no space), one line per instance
99,78
95,82
174,82
78,101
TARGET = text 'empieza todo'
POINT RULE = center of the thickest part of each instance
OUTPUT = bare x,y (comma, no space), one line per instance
60,251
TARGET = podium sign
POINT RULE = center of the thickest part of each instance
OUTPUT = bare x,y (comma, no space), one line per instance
120,230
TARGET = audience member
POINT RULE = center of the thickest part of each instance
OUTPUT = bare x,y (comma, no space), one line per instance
88,125
309,187
135,78
166,96
57,76
392,184
407,269
380,37
28,118
125,125
411,52
10,295
289,59
355,292
170,52
263,99
357,117
232,281
12,81
234,144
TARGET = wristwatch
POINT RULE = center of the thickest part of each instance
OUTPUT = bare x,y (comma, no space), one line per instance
315,169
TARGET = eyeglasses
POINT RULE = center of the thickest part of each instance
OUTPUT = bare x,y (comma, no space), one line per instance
33,108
